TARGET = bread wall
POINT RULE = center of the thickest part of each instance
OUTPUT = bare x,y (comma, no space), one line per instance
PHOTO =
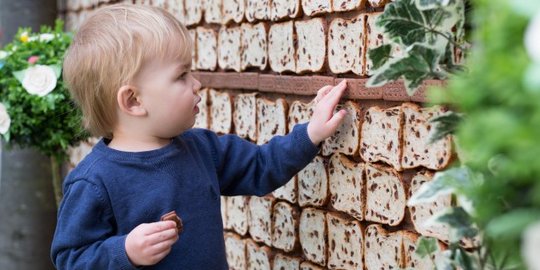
261,63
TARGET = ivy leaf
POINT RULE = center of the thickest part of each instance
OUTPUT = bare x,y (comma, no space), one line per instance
443,183
429,4
57,70
380,55
19,75
419,63
444,125
426,246
512,224
461,225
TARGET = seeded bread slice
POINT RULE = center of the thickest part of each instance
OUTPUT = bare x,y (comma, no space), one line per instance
257,10
202,120
345,242
281,48
282,262
233,10
206,49
288,191
245,115
347,137
382,249
378,3
212,11
177,9
194,12
345,5
313,234
259,257
299,113
411,259
230,48
375,37
313,7
309,266
272,119
260,219
235,249
283,9
311,48
254,46
284,227
223,208
220,112
417,131
422,212
385,195
345,49
381,136
313,184
346,185
193,35
237,214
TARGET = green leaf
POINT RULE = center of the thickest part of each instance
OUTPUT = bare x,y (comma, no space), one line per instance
430,4
57,70
461,225
463,260
19,75
444,125
512,224
380,55
426,246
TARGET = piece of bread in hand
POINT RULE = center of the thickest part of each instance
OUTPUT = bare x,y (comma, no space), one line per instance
281,47
345,49
230,48
382,249
284,227
313,184
381,136
311,45
347,137
206,49
220,111
385,195
313,234
272,119
235,248
346,180
254,46
260,219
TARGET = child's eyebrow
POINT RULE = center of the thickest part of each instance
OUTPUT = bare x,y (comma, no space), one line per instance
183,67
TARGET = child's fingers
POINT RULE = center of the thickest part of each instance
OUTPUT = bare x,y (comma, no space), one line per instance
322,92
336,120
335,94
162,236
156,227
162,247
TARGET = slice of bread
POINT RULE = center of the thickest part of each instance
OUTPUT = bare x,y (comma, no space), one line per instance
260,219
272,119
309,266
381,136
422,212
254,46
311,47
177,9
299,113
284,227
375,37
233,11
230,48
223,208
245,115
220,112
378,3
346,185
345,49
347,137
417,131
282,262
281,49
193,35
212,11
313,184
382,249
237,214
284,9
313,234
202,120
288,191
314,7
194,12
346,242
206,49
385,195
235,249
346,5
259,257
257,10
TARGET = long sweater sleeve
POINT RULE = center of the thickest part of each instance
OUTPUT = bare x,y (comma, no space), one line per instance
84,237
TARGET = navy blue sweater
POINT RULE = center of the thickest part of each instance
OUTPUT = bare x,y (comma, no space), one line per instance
111,192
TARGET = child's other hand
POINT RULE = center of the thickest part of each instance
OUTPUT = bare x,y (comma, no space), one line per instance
148,243
324,122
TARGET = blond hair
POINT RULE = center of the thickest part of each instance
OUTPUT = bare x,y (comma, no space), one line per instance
108,51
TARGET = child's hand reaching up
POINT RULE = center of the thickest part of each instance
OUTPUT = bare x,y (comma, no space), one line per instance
148,243
324,122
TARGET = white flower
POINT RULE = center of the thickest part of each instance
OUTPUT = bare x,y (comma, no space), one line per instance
532,38
531,246
5,121
42,37
3,54
39,80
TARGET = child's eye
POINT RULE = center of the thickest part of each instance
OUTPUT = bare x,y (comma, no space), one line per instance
182,76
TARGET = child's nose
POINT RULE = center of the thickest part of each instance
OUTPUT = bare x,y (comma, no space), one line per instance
196,85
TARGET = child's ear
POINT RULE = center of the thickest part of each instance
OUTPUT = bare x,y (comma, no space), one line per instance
129,101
